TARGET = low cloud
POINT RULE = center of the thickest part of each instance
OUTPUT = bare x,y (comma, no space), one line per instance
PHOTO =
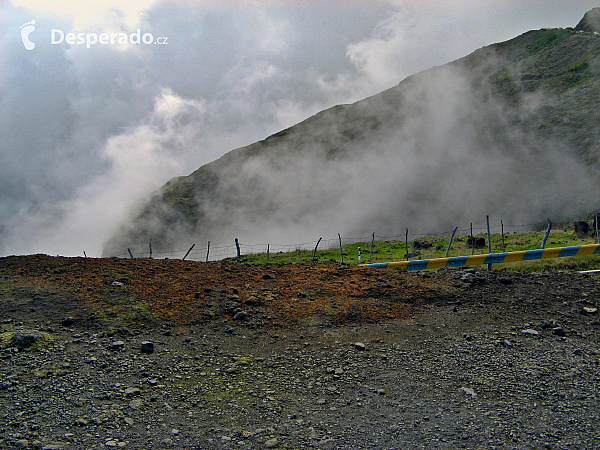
87,133
445,153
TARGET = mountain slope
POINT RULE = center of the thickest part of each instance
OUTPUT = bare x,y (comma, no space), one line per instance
510,130
590,22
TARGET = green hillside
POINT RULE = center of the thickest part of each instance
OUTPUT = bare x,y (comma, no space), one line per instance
512,129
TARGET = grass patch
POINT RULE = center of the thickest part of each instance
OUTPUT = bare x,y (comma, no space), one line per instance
135,313
579,66
548,39
180,197
128,312
574,263
435,247
51,371
6,338
243,361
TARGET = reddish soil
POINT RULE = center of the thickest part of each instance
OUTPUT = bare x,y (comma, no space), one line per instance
186,293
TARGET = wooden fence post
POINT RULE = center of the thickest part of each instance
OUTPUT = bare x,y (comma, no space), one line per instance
237,246
130,254
451,240
315,250
188,252
472,241
207,251
502,226
371,256
341,249
150,245
487,219
547,233
406,240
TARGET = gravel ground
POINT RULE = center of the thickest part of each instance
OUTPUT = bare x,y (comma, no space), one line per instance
506,361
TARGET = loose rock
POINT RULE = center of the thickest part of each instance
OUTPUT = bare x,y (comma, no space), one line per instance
117,346
26,338
147,347
272,443
530,332
132,392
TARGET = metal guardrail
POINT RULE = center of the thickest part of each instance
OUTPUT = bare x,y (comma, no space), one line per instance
491,258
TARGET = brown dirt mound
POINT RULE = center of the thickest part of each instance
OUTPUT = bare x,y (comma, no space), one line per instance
185,292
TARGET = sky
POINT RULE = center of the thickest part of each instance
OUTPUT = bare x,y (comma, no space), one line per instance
88,130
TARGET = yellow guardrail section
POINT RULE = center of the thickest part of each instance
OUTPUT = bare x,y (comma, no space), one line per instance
491,258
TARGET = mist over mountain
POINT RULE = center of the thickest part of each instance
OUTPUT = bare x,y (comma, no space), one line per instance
512,130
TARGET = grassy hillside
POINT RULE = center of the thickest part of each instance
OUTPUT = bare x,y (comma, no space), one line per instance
512,129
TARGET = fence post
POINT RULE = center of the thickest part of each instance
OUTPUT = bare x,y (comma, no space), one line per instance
450,244
472,241
188,252
315,250
130,254
207,251
358,255
597,235
406,241
268,252
487,219
150,245
502,228
547,233
341,248
371,255
237,246
84,255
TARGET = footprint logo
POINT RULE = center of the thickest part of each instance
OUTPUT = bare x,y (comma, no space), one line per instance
26,30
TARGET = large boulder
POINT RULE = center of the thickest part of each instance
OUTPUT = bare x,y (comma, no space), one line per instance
581,228
590,22
26,338
476,242
422,245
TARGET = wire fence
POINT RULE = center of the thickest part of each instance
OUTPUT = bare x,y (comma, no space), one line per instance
373,248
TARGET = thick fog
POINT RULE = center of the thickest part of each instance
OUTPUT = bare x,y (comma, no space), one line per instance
87,133
445,152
